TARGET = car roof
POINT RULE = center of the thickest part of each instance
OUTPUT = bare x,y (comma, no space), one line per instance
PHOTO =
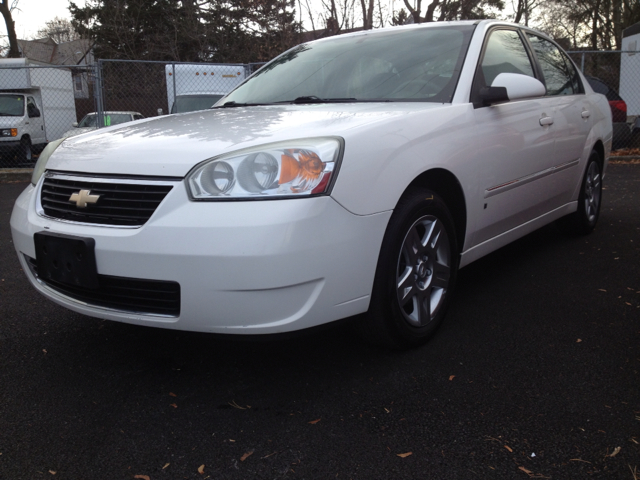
482,23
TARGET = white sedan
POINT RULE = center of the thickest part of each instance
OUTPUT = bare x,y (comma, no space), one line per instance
351,175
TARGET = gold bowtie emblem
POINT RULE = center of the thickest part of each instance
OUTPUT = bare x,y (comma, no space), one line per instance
83,198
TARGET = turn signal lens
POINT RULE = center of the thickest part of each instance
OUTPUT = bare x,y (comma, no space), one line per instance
294,168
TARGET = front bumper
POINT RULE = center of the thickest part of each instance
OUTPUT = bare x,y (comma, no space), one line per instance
251,267
9,146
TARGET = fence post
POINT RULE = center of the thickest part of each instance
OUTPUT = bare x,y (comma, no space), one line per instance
582,63
98,94
175,96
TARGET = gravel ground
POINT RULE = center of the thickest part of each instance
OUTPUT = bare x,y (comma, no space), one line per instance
533,375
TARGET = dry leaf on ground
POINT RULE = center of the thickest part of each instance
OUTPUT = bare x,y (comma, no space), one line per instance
404,455
246,455
201,469
313,422
508,448
142,477
452,377
615,452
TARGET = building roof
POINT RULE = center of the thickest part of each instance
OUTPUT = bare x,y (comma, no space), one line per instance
75,52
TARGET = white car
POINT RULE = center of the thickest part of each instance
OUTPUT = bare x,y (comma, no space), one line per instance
90,121
350,175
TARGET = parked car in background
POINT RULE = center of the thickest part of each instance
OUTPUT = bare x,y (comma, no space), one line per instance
351,175
90,121
621,129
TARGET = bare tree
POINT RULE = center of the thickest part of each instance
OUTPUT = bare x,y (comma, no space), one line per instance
596,24
523,10
59,29
367,13
6,7
445,10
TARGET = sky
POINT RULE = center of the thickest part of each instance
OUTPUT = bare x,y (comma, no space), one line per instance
31,15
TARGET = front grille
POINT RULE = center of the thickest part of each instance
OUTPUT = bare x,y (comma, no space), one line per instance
122,204
125,294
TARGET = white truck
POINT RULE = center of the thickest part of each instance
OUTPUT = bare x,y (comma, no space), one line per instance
37,105
193,87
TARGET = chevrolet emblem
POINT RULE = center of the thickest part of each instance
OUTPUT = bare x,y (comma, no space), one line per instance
83,198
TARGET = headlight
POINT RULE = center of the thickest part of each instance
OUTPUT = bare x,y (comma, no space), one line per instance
41,164
8,132
279,170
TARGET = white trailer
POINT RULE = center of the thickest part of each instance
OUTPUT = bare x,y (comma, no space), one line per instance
37,105
630,69
193,87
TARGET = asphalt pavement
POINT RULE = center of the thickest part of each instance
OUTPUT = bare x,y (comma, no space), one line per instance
534,374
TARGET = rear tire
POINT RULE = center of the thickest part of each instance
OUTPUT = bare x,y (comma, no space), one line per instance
416,273
584,220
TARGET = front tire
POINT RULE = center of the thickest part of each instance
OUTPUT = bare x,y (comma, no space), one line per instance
25,155
416,273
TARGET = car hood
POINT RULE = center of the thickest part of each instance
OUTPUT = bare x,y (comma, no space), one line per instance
171,145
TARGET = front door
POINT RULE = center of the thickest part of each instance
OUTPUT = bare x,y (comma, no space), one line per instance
514,144
35,122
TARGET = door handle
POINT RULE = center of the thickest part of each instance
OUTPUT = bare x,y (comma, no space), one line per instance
546,121
586,114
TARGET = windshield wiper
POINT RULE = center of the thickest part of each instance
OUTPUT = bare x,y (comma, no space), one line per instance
314,99
236,104
299,100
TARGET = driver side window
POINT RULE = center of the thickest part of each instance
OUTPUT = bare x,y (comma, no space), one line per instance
505,53
32,108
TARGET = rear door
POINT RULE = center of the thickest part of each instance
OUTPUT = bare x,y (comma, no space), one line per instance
572,112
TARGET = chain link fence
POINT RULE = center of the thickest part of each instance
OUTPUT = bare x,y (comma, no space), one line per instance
616,74
39,104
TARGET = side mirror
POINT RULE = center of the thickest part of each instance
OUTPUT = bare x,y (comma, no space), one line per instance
74,124
159,111
516,87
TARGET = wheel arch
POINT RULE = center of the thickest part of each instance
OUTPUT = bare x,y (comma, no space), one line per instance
599,148
447,186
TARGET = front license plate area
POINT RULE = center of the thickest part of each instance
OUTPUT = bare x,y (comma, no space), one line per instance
66,259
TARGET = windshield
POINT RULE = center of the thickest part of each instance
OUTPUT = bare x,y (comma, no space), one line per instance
91,120
191,103
11,105
401,64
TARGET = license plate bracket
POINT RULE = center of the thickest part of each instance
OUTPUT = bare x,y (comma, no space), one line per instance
66,259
